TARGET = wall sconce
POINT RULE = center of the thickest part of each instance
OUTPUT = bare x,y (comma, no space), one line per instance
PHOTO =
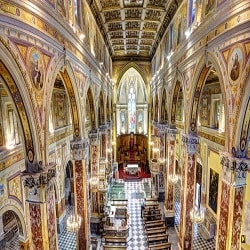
173,178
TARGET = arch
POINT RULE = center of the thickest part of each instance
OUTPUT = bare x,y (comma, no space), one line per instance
67,74
92,108
164,111
20,105
108,113
203,69
242,141
101,118
12,205
156,108
73,102
127,67
177,88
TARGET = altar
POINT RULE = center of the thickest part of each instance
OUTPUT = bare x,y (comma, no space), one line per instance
131,169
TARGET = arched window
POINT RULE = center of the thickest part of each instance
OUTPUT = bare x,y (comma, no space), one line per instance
131,109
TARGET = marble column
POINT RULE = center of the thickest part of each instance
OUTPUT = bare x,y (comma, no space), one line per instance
187,195
103,141
80,154
230,210
169,201
162,161
109,145
41,212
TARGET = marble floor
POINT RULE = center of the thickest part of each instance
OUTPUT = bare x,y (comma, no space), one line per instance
135,192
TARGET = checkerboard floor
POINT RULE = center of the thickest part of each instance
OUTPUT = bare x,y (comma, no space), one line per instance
135,192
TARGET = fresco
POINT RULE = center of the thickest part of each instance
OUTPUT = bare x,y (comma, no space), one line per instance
36,68
213,190
235,64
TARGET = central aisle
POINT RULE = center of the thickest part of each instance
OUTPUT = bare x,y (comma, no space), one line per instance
135,193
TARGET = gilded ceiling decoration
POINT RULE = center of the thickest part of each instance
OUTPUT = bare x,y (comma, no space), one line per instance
133,28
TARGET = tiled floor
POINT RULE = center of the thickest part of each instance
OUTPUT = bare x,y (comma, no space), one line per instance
134,192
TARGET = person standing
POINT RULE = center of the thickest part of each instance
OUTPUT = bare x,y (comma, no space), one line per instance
142,208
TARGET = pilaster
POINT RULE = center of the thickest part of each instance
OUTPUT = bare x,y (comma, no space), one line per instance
40,199
79,151
169,200
188,176
230,216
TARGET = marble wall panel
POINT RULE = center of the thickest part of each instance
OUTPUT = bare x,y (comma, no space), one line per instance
237,214
36,225
80,201
223,221
52,233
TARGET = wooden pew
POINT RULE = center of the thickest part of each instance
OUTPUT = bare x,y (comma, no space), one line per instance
157,230
151,203
154,224
122,240
151,199
152,217
113,247
156,239
147,209
161,246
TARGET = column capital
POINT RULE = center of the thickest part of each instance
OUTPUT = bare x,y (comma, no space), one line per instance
109,124
234,169
191,143
103,129
94,137
162,128
172,132
35,182
79,148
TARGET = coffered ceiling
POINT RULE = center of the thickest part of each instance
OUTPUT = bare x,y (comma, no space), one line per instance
132,29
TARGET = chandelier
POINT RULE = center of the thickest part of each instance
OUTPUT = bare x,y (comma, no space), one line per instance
197,215
74,222
173,178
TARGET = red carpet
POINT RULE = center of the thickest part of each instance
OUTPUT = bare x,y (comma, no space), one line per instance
140,175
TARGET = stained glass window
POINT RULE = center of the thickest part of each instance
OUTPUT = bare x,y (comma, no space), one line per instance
131,108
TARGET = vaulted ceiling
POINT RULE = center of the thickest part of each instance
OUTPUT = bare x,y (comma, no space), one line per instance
132,29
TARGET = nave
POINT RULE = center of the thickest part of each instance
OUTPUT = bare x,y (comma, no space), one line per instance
134,192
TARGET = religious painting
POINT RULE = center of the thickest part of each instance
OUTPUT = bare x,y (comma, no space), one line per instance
209,6
213,190
180,24
36,68
60,5
60,109
235,64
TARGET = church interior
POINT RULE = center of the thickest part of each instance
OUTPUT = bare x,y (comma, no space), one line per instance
124,124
